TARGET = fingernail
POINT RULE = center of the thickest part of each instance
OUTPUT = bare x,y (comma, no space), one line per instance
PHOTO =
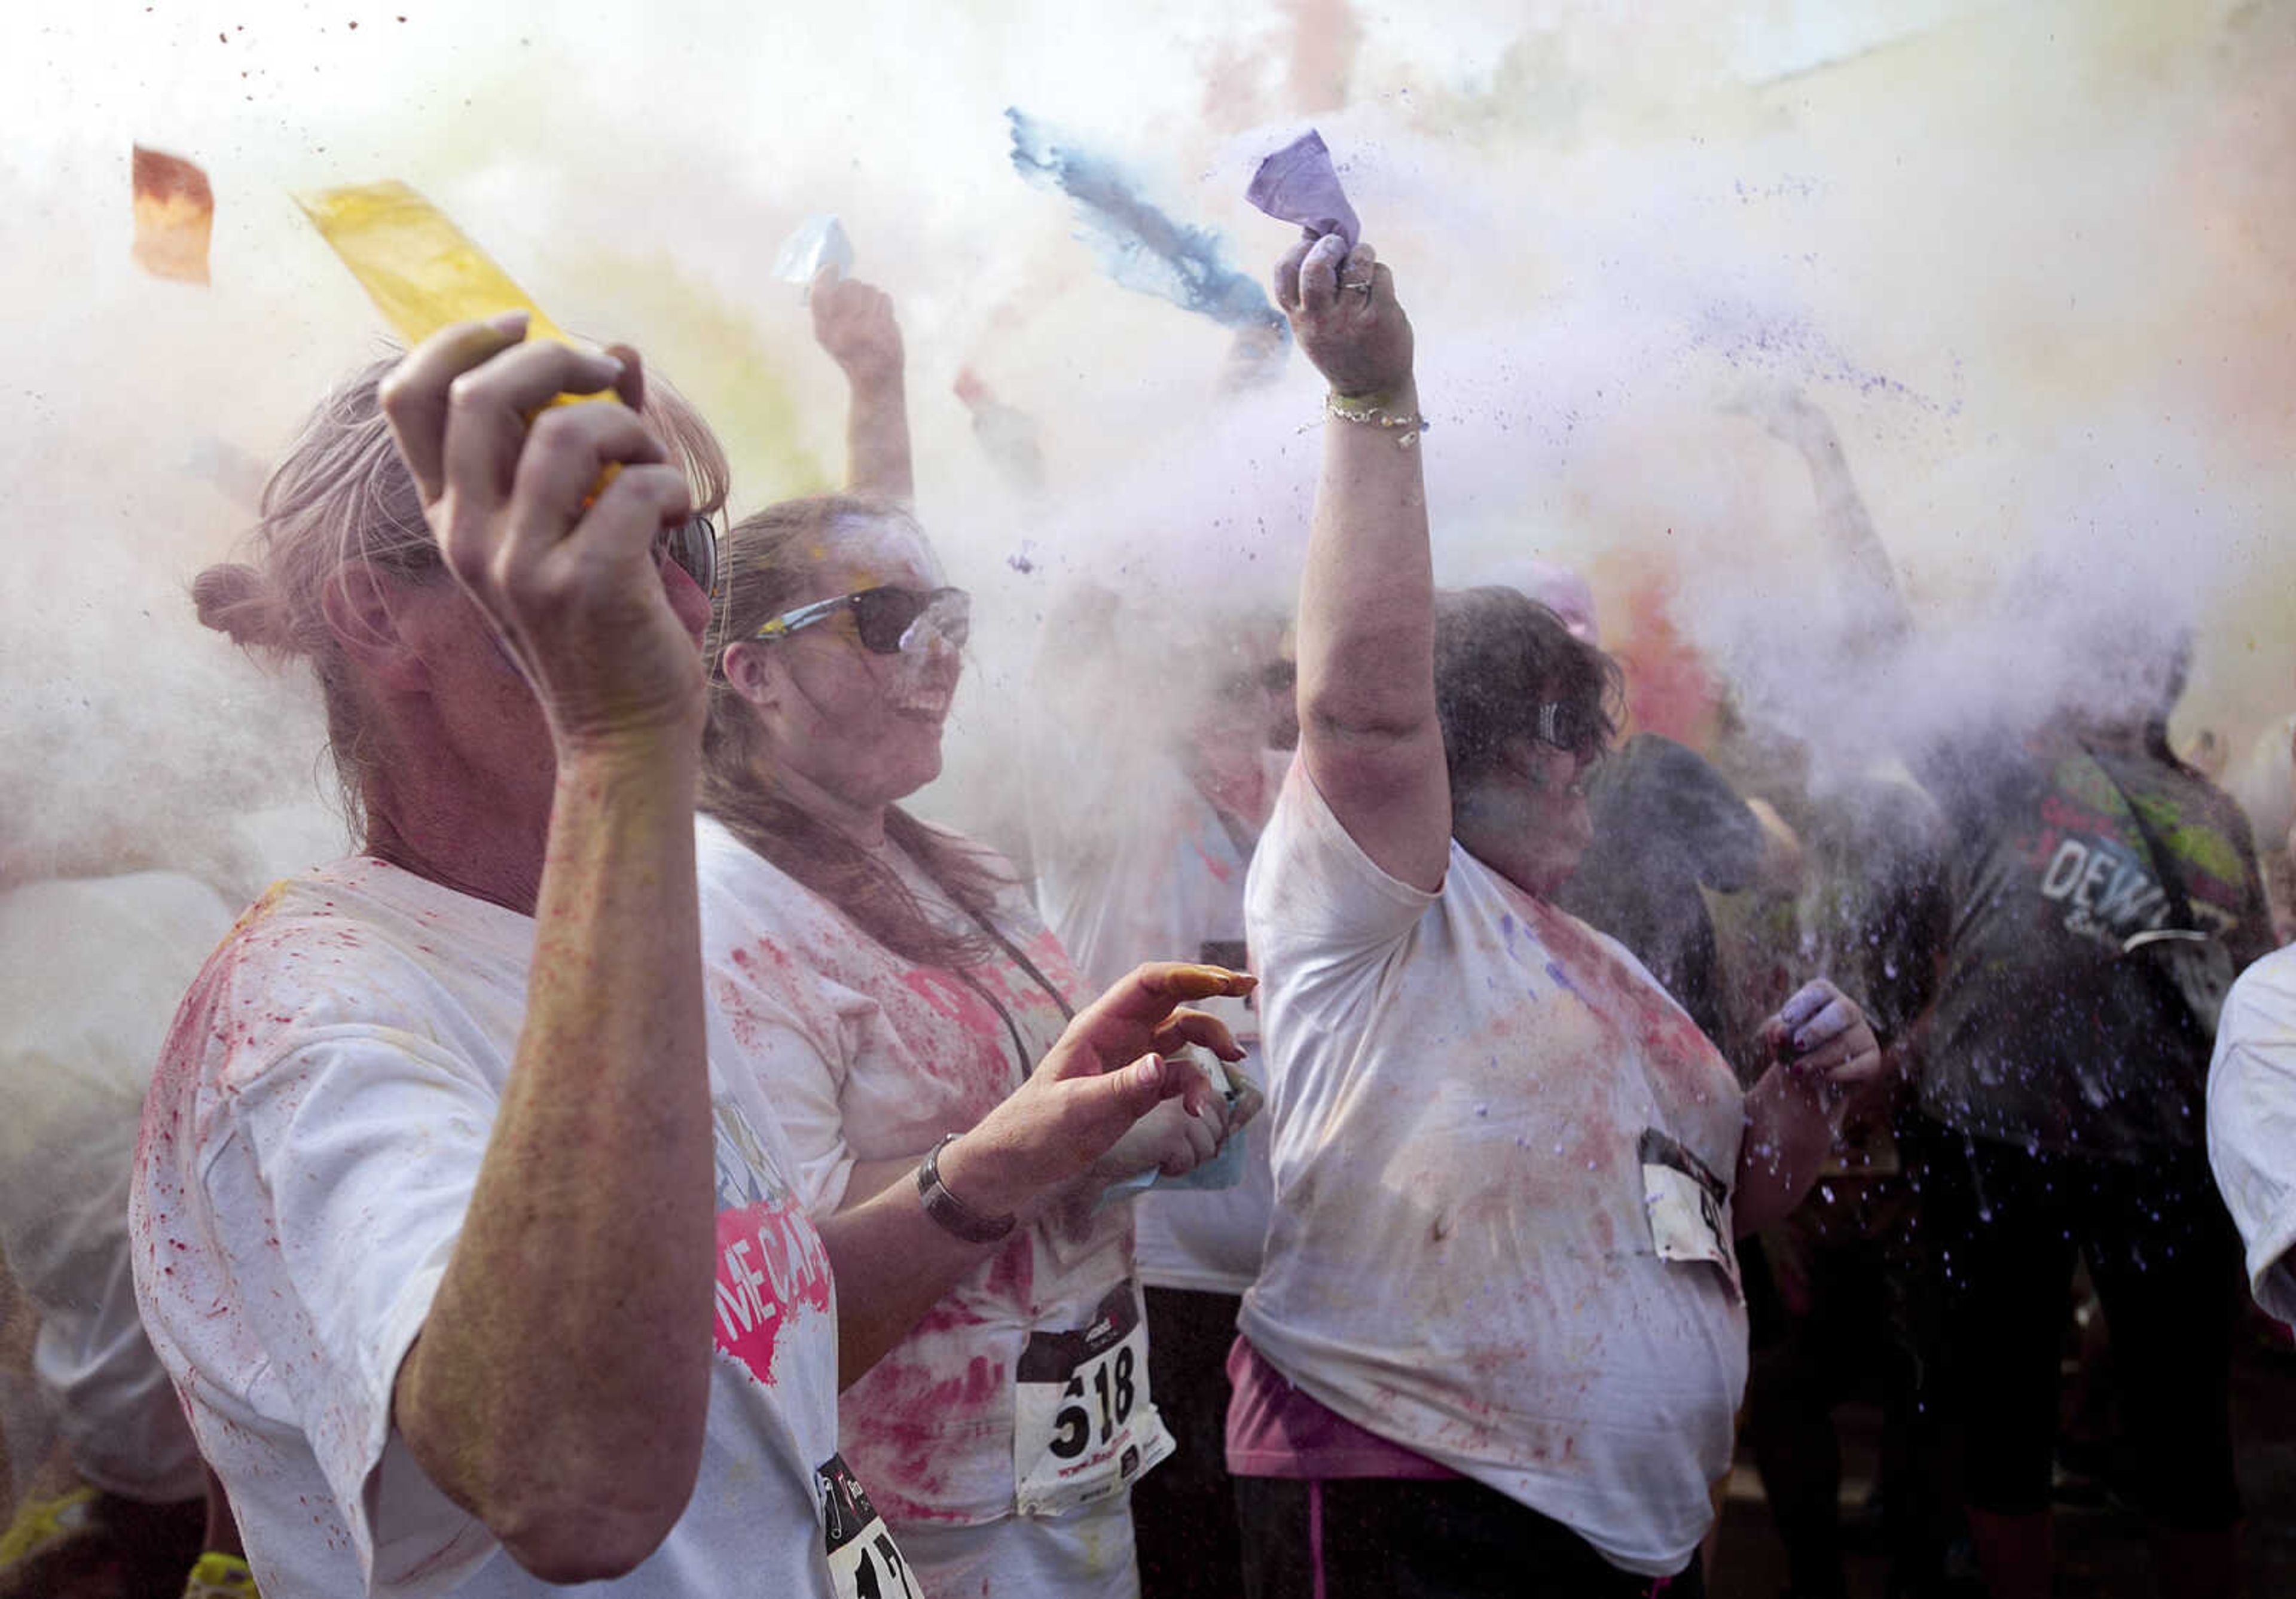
509,322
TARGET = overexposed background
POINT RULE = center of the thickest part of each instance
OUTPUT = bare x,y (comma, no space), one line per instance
2035,258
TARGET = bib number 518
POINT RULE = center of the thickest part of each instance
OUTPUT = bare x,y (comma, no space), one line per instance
1113,1393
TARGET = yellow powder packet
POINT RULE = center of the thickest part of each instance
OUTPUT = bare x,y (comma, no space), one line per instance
419,269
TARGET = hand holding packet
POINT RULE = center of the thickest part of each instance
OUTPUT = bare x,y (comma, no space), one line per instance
819,242
1224,1169
1299,183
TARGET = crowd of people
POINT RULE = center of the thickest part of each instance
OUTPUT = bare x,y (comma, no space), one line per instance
1409,1119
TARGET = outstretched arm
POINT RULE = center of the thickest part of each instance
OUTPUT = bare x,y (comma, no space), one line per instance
1794,418
855,324
1367,726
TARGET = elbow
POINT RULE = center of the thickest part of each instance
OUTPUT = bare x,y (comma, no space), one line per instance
1368,720
578,1539
586,1508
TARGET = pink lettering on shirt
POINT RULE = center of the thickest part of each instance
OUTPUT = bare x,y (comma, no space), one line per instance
770,1267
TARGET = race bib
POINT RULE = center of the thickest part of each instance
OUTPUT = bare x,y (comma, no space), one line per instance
864,1564
1083,1424
1686,1204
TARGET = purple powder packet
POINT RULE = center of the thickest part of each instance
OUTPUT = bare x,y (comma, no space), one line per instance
1298,184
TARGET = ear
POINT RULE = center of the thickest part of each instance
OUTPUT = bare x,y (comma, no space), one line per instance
357,600
751,674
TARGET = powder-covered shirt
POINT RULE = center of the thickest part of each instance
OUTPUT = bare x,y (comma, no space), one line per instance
311,1143
2252,1124
868,1057
1160,877
2047,1031
1462,1088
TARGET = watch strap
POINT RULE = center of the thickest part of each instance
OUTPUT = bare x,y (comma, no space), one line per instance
951,1214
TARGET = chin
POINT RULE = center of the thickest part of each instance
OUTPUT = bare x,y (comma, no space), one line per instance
914,774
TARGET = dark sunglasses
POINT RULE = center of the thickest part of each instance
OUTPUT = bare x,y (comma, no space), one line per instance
693,544
1569,728
886,617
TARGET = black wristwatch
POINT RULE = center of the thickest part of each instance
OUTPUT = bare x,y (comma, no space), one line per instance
952,1215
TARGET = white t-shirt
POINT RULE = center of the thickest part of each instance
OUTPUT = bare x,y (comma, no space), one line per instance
866,1057
313,1133
1462,1260
2265,783
1161,879
90,972
2252,1123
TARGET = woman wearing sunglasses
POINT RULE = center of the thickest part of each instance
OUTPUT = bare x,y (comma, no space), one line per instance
891,984
1497,1340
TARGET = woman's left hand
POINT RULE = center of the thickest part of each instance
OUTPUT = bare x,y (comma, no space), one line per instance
1823,1041
1170,1139
1116,1062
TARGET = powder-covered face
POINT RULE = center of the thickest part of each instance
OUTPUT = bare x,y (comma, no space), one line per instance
864,728
1527,818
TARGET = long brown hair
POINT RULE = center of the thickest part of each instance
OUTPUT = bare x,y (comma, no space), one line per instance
769,560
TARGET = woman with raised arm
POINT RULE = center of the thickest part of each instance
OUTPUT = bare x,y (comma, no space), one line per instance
474,1276
1497,1341
890,985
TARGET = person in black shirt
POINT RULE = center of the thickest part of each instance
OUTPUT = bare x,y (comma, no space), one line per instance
2061,1074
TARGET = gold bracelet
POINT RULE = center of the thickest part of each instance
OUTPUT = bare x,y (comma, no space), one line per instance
1372,410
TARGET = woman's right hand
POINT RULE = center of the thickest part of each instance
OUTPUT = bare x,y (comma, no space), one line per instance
562,565
1344,314
1114,1064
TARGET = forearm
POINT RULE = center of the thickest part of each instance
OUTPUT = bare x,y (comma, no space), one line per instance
1789,1135
559,1388
1367,589
893,1262
1849,529
877,438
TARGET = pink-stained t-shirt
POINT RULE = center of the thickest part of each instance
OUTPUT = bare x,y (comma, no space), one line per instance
867,1057
311,1143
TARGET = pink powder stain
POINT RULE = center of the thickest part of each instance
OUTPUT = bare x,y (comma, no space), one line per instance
1669,1042
905,1418
1012,1275
770,1265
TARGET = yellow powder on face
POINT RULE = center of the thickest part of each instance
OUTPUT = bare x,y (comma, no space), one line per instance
175,214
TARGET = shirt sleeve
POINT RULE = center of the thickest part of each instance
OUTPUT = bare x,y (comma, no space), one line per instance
347,1164
1313,895
2252,1124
